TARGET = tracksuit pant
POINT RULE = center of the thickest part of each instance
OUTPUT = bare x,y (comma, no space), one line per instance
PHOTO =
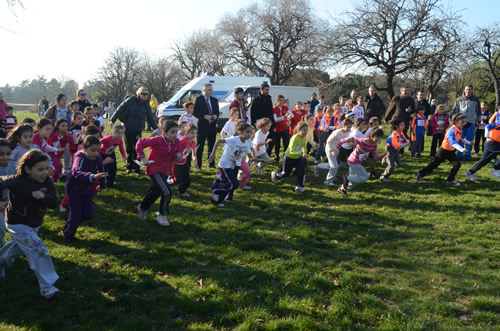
393,159
80,208
183,177
226,181
159,188
491,150
441,156
288,165
25,241
437,140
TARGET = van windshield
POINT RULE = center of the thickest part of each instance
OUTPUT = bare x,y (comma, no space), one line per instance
229,97
182,96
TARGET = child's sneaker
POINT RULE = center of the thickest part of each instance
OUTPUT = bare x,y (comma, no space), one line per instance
162,219
342,191
240,175
419,178
315,170
274,178
220,205
345,181
453,183
316,161
184,195
170,180
471,176
143,214
495,173
328,182
48,291
62,209
246,188
299,189
382,178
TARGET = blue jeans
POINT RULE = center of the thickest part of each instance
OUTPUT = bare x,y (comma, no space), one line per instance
468,133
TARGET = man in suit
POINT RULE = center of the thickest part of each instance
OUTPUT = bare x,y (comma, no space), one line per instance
206,110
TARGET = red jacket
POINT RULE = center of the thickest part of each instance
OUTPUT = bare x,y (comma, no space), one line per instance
281,125
295,120
435,126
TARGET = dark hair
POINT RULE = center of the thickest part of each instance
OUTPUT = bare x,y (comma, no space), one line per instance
420,107
75,114
90,130
15,134
167,125
89,141
87,109
95,105
359,120
4,143
28,120
243,126
300,126
9,108
59,122
264,85
395,123
190,127
347,121
43,123
238,90
74,102
187,104
373,120
469,85
458,117
30,159
378,133
59,97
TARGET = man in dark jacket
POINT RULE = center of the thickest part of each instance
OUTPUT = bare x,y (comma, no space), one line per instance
374,106
469,106
81,97
401,106
314,103
423,102
132,113
262,106
206,110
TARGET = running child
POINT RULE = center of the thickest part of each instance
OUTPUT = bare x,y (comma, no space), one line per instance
394,143
491,150
439,123
188,147
295,156
161,123
31,192
163,150
87,167
325,129
259,145
229,128
332,152
281,118
188,114
236,148
447,151
418,129
108,146
297,115
364,147
59,139
41,139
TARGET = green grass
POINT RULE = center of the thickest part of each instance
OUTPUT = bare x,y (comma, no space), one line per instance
395,255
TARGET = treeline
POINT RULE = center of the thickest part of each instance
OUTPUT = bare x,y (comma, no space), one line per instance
386,43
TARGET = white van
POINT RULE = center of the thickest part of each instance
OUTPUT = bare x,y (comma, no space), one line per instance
222,85
292,93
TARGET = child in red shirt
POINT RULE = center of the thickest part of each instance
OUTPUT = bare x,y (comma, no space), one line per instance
108,146
188,147
282,118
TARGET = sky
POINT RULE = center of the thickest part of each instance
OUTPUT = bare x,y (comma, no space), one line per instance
66,39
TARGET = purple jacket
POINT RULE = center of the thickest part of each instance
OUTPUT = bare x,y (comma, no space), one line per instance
81,176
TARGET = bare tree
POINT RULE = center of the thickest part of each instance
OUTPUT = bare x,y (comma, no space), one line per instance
189,54
394,36
162,77
274,38
119,73
484,46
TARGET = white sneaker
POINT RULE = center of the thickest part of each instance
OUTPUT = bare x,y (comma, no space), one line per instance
315,170
495,173
49,291
184,195
143,214
299,189
162,220
246,188
328,182
316,161
274,179
62,209
471,176
240,175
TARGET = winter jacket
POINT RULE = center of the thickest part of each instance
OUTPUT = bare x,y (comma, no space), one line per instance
397,109
469,107
132,113
374,107
262,106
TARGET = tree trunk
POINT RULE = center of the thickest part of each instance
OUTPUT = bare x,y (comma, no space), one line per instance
390,87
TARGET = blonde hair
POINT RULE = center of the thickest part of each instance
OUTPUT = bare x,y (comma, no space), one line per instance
140,90
263,122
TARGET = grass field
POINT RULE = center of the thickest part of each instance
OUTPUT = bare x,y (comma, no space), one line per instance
397,255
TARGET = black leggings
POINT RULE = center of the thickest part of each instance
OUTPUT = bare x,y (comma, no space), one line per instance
443,155
278,136
479,141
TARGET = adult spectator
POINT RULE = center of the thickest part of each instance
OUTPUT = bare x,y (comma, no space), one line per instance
354,97
132,113
128,94
153,103
314,102
81,97
45,102
433,106
58,110
469,106
239,104
3,109
374,106
402,106
206,110
422,101
41,109
262,107
110,109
